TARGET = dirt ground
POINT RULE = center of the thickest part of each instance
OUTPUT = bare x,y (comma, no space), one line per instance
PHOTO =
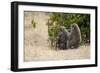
36,43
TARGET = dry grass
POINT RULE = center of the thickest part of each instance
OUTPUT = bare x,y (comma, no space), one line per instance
32,54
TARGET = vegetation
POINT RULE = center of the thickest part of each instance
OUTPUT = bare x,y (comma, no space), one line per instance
66,19
33,23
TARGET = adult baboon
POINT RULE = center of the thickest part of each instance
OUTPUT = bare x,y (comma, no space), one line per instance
62,38
74,38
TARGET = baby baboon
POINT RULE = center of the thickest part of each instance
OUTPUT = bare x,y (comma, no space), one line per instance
74,38
62,38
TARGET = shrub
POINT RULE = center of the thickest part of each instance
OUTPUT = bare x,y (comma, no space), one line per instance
66,19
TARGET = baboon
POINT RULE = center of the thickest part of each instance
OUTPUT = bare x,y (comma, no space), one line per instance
74,38
68,38
62,38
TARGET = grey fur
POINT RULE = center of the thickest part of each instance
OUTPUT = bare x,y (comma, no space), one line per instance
74,39
62,38
68,39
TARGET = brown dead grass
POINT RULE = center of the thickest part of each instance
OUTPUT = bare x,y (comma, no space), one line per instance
32,54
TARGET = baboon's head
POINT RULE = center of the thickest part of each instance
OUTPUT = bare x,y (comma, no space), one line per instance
62,28
74,26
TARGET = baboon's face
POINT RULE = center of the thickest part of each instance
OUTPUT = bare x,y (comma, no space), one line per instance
62,28
73,27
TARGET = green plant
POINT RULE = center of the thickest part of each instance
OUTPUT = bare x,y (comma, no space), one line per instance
33,23
66,19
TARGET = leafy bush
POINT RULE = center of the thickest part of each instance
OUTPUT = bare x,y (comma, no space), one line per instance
66,19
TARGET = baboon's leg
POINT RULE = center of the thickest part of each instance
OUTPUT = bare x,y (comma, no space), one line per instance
76,45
